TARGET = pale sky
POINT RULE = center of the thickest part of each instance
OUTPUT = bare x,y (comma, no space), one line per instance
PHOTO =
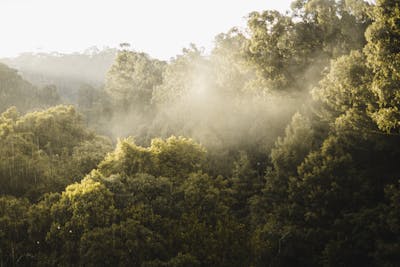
160,28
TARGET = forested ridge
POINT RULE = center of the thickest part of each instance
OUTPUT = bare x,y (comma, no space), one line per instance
279,148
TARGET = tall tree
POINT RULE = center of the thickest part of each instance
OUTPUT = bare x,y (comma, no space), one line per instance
383,56
132,79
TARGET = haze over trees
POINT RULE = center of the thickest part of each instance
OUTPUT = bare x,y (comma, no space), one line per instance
279,148
68,72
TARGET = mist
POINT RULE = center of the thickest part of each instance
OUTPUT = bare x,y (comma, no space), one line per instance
197,103
277,145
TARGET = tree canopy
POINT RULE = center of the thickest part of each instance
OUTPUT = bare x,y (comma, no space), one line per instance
278,148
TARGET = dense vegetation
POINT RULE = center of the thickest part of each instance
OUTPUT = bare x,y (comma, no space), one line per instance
280,148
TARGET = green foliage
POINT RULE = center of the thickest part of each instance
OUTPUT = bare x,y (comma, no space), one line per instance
132,79
15,91
95,106
185,74
291,150
174,157
45,151
325,193
125,217
346,85
246,184
177,156
231,73
13,227
324,199
290,50
209,230
383,57
268,47
81,207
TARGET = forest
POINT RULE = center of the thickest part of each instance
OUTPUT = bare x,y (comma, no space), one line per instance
278,148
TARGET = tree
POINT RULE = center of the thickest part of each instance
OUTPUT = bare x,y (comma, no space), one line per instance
174,157
233,75
15,91
246,184
346,85
383,56
82,207
131,80
182,77
13,226
39,150
209,231
290,51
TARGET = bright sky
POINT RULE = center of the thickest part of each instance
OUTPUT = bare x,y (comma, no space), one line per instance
160,28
